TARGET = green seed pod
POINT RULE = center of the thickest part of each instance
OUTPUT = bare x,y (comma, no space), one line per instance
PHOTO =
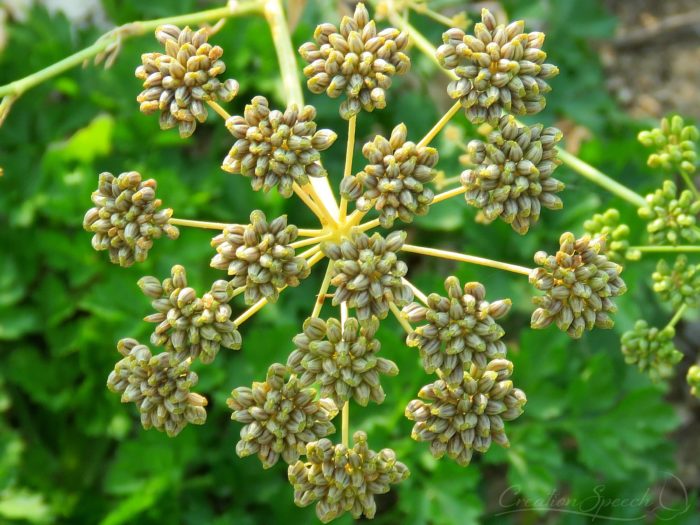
693,379
607,225
159,386
461,329
277,149
342,479
675,146
280,417
512,177
459,419
679,284
342,359
126,217
579,284
367,273
651,349
356,61
179,82
189,326
396,181
499,69
259,257
671,217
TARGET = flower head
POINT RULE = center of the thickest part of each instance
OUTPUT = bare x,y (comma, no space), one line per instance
357,61
670,217
693,379
280,417
159,386
126,218
460,329
368,274
579,284
342,359
651,349
679,284
344,479
460,420
499,69
395,180
607,225
259,256
190,326
675,145
179,82
513,179
276,148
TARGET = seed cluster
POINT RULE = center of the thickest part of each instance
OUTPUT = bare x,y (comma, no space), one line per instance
259,257
357,61
159,386
460,329
368,274
181,81
675,145
395,180
579,284
693,379
468,417
342,359
344,479
277,148
499,69
607,225
651,349
512,178
280,417
126,218
671,218
189,326
679,284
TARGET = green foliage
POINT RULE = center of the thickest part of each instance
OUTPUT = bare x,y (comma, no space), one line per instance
70,453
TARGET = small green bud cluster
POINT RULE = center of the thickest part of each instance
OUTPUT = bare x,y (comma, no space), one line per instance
671,218
607,225
280,417
189,326
512,178
342,359
651,349
368,274
679,284
675,145
693,379
126,218
357,61
277,148
259,257
159,386
458,420
344,479
461,329
179,82
395,181
579,284
499,69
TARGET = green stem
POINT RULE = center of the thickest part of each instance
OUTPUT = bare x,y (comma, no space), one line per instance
689,182
345,429
586,170
400,318
666,249
677,316
18,87
462,257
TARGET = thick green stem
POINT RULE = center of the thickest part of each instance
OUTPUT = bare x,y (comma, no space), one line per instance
677,316
581,167
131,29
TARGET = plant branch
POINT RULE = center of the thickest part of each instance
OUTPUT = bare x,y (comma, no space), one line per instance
423,9
19,87
349,149
455,256
400,318
309,241
416,291
221,111
449,194
686,178
345,430
666,249
440,124
199,224
321,297
677,316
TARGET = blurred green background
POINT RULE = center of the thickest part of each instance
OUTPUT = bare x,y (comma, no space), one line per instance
597,440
